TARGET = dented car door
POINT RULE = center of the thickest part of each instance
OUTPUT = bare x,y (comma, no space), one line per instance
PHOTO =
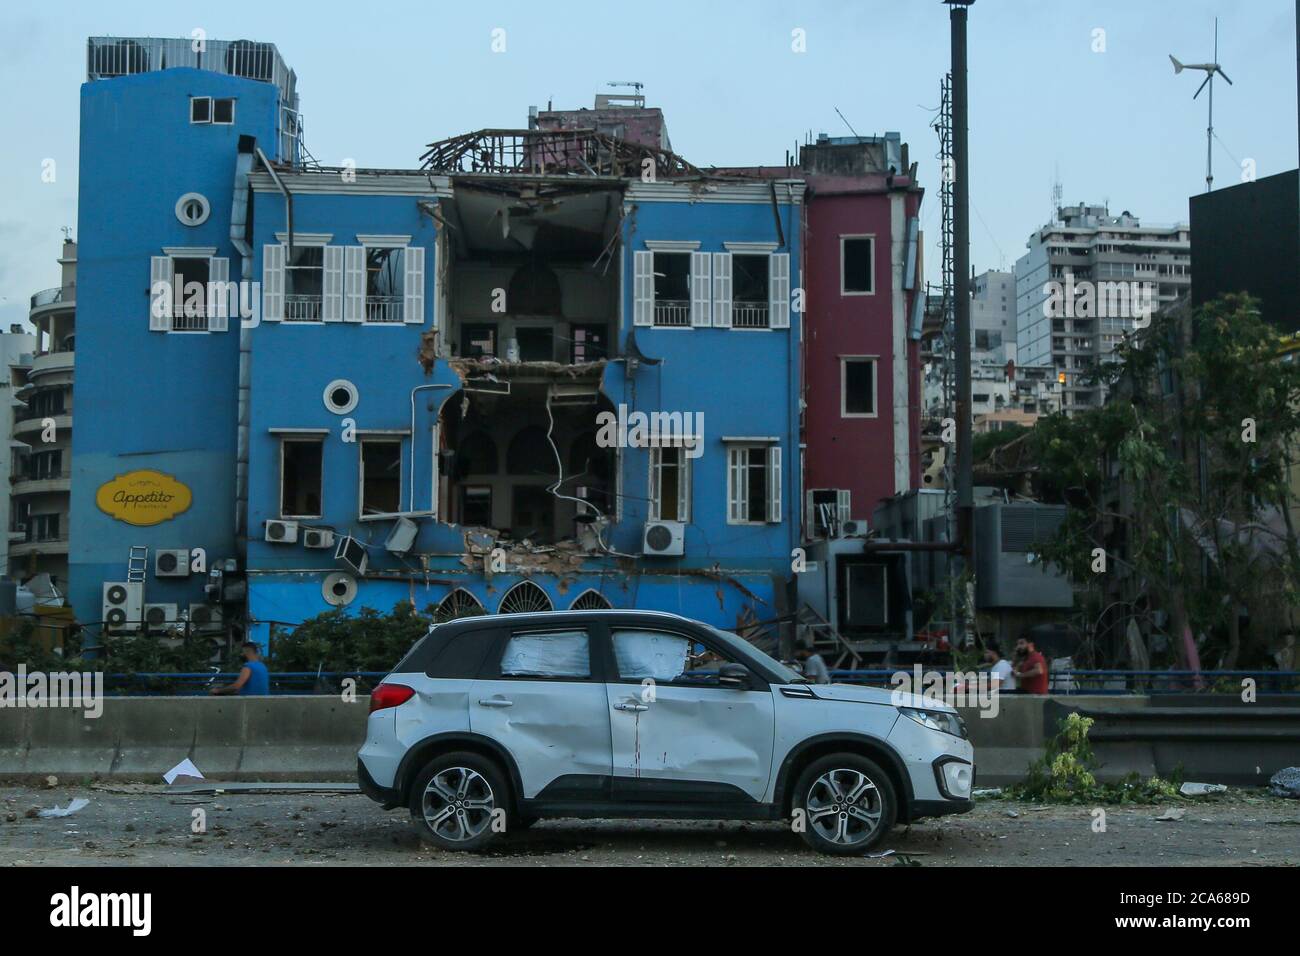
680,733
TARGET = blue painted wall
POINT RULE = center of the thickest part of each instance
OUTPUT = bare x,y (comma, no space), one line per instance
146,399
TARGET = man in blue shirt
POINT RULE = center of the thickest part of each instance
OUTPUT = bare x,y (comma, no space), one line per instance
253,678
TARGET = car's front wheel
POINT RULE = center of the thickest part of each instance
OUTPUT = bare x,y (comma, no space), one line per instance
844,804
460,801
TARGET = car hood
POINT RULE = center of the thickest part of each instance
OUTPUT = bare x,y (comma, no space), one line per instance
855,693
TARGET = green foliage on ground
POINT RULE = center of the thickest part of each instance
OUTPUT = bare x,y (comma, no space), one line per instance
1066,773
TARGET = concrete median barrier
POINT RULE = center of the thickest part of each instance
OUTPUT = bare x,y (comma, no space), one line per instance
316,738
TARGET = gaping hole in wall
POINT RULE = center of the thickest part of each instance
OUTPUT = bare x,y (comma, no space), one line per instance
509,466
533,271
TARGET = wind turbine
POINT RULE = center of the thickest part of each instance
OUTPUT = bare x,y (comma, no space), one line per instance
1209,69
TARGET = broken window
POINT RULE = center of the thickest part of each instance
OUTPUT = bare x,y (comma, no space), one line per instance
536,344
857,275
478,339
750,300
670,484
381,476
476,506
672,276
301,476
532,513
588,343
858,387
549,654
753,483
385,274
304,280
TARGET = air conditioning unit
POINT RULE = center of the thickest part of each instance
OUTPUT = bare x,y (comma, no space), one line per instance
825,510
663,538
1009,571
402,537
174,563
205,617
352,553
123,606
159,617
317,538
281,532
853,528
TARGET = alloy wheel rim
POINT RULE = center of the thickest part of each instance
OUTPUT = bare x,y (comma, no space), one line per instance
458,804
844,806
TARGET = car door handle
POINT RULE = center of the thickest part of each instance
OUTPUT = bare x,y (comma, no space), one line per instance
496,702
632,706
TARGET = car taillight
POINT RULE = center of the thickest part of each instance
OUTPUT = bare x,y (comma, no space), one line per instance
390,695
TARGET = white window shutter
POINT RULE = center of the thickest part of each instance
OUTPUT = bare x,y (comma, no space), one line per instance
218,299
273,283
354,289
722,290
656,465
413,286
737,487
774,484
332,300
700,297
160,297
843,502
643,288
684,487
779,280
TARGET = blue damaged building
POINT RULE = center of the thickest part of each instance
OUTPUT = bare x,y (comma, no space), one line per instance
550,367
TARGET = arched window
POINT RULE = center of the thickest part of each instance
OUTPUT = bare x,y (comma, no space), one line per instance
524,597
459,603
590,600
530,453
476,454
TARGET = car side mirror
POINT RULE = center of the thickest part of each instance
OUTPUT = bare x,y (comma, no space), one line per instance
734,675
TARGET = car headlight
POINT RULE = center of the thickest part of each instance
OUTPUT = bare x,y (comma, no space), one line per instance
941,720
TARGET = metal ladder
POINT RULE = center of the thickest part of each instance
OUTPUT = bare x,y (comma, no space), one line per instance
137,563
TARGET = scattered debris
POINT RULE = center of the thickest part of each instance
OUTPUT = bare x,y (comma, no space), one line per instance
51,782
1201,789
987,792
880,856
73,806
1285,783
184,771
1172,814
1012,814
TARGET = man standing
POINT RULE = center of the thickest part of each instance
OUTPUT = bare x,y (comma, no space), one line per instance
1001,675
814,668
1031,672
253,679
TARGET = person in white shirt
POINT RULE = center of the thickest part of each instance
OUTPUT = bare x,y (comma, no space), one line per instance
1001,674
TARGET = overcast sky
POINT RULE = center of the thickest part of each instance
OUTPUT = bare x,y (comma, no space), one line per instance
379,80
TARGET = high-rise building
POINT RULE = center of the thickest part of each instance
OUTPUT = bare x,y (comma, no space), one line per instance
1088,278
41,467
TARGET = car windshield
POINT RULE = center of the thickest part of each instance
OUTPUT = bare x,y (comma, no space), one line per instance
742,648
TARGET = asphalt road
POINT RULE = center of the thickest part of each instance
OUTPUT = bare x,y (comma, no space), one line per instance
126,825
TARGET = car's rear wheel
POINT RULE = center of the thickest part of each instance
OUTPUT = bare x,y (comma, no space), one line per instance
460,801
844,804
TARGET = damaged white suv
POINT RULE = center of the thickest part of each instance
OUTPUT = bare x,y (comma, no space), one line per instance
490,723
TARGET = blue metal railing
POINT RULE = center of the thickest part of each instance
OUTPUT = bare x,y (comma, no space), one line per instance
1122,682
200,682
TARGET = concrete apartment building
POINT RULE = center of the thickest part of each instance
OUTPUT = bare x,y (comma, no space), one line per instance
15,348
993,313
1087,277
40,470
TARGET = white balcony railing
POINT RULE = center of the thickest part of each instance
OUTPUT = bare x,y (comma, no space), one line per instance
749,315
384,308
302,308
672,312
189,317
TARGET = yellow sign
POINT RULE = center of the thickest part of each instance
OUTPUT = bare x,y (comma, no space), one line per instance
143,497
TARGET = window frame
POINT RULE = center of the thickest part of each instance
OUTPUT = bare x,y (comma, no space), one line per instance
492,663
684,477
206,314
770,498
757,681
377,438
320,440
871,238
194,100
223,99
874,361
